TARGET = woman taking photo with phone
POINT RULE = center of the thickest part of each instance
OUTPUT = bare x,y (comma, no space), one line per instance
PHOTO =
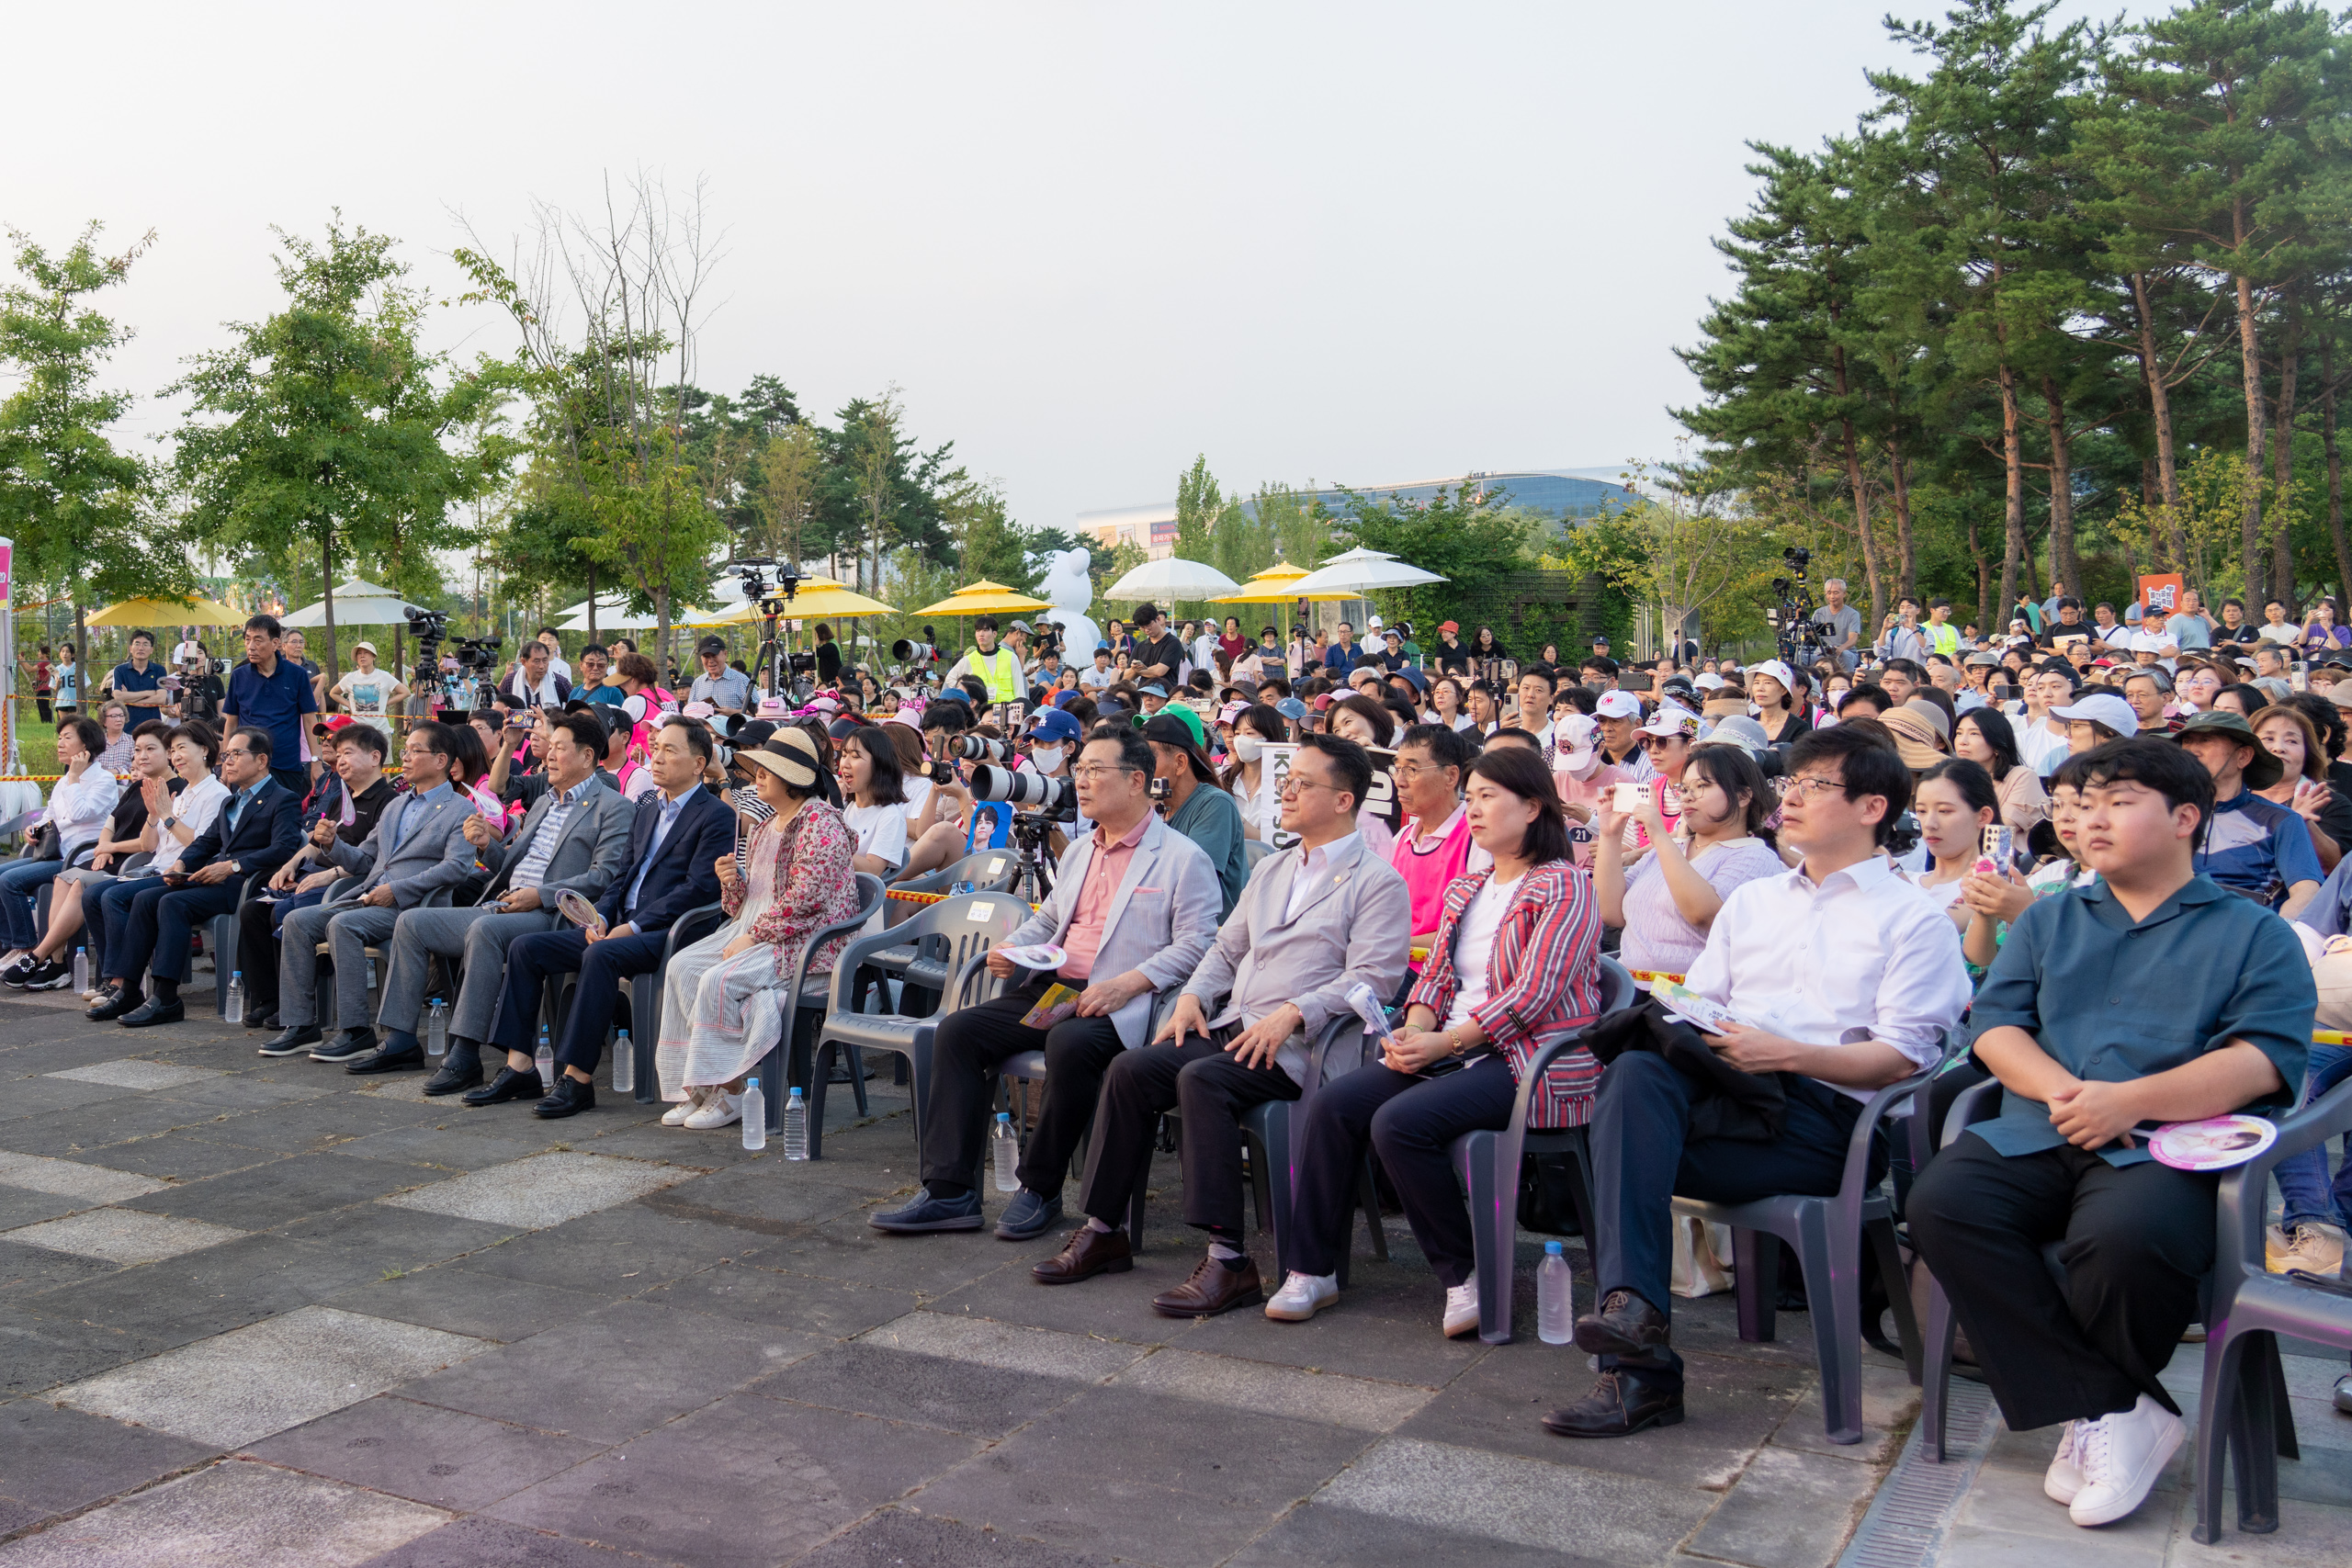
1665,903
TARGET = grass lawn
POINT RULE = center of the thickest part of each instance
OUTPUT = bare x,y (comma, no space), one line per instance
38,742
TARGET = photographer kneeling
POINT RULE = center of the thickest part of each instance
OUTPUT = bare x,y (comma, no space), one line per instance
1133,907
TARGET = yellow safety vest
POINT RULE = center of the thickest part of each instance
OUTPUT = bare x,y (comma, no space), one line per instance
1002,670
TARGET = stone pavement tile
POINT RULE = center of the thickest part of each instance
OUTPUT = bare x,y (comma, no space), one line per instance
851,1249
543,1191
2010,1502
30,1271
450,1144
407,1087
1109,1473
989,1344
1316,1535
1116,1305
903,1538
16,1515
233,1514
132,1072
395,1238
1388,1333
124,1236
182,1156
1561,1508
60,1459
442,1457
301,1126
616,1252
282,1190
1973,1546
1711,1324
209,1292
247,1092
2309,1535
38,1352
614,1372
239,1387
753,1294
644,1137
1329,1397
1790,1509
771,1190
743,1481
2308,1377
464,1302
23,1097
73,1178
479,1542
898,1385
1730,1409
23,1206
109,1122
2319,1424
1889,1404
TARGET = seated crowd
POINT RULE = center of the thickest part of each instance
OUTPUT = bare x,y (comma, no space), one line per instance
1255,870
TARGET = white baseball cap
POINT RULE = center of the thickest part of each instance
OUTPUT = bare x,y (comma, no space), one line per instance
1708,681
1575,735
1672,720
1619,705
1375,624
2103,708
1778,671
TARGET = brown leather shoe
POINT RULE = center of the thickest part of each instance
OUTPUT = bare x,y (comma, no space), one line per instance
1213,1289
1088,1252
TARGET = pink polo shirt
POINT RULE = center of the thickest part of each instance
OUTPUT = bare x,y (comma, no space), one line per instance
1105,870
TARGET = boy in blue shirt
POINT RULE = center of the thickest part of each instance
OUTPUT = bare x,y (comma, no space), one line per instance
2252,846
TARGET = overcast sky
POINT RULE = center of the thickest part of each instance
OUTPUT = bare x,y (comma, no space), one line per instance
1361,243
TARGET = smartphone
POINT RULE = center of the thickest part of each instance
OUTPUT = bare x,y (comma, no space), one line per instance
2000,851
1628,797
2299,675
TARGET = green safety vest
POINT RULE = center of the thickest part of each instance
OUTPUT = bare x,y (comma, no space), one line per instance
1002,670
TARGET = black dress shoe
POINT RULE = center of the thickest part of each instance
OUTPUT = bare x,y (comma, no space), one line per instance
508,1085
295,1041
387,1060
347,1046
153,1011
265,1020
1625,1325
1624,1402
569,1098
114,1005
451,1079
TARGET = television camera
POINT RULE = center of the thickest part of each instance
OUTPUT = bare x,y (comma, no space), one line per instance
477,658
1801,638
786,671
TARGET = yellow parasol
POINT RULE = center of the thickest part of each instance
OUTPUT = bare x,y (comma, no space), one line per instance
1271,586
168,612
819,599
986,599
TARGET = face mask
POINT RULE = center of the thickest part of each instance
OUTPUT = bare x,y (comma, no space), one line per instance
1048,758
1248,747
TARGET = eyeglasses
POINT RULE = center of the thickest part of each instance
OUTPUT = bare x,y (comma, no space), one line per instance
1805,789
1096,770
1658,742
1406,772
1294,783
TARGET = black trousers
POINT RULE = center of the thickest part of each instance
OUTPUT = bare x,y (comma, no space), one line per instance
1412,1122
1213,1090
258,928
603,968
970,1046
2135,1241
1642,1157
161,919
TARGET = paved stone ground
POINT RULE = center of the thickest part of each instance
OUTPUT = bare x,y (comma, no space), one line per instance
259,1313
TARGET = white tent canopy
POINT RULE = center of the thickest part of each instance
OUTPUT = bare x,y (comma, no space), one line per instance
1171,578
1368,571
357,603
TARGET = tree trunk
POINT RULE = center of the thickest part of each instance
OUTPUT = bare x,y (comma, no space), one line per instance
2160,415
592,601
326,602
2066,563
2335,469
1905,541
1985,622
2013,507
1862,518
2250,354
2282,550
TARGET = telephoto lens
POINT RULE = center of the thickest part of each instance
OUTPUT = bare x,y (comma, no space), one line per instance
980,748
1022,789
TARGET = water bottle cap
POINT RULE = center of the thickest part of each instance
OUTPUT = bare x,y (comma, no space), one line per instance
236,973
750,1083
1004,1115
796,1093
1553,1248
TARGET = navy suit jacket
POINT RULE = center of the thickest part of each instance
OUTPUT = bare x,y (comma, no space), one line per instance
269,832
684,874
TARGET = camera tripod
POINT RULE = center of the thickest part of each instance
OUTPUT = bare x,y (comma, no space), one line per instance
1034,881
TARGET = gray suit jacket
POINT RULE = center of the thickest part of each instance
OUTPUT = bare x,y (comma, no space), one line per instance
1161,917
591,851
1356,925
432,857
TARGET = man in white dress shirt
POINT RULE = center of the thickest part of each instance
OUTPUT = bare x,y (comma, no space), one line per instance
1844,977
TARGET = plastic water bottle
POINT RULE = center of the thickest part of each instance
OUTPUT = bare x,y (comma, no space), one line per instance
233,1006
623,1065
755,1116
795,1126
544,1060
1004,1151
81,970
1555,1306
436,1028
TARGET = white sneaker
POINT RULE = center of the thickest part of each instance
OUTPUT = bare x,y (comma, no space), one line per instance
1302,1296
1462,1309
2313,1247
2064,1478
2122,1456
721,1109
676,1115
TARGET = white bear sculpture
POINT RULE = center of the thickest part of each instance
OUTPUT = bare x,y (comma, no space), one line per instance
1071,591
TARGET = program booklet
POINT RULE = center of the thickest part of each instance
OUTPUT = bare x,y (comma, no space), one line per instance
1058,1002
1691,1007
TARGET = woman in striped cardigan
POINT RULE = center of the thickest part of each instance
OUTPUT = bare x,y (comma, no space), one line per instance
1514,966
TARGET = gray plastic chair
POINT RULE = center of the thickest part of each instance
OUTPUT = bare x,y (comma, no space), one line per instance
989,871
1489,1162
644,997
954,933
787,1056
2243,1398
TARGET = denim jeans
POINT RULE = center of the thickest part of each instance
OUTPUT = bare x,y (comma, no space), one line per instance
20,880
2302,1178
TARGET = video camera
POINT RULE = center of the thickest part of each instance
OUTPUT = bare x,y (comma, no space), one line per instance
1801,638
753,572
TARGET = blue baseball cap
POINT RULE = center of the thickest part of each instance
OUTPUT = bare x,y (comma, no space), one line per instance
1053,725
1151,689
1290,708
